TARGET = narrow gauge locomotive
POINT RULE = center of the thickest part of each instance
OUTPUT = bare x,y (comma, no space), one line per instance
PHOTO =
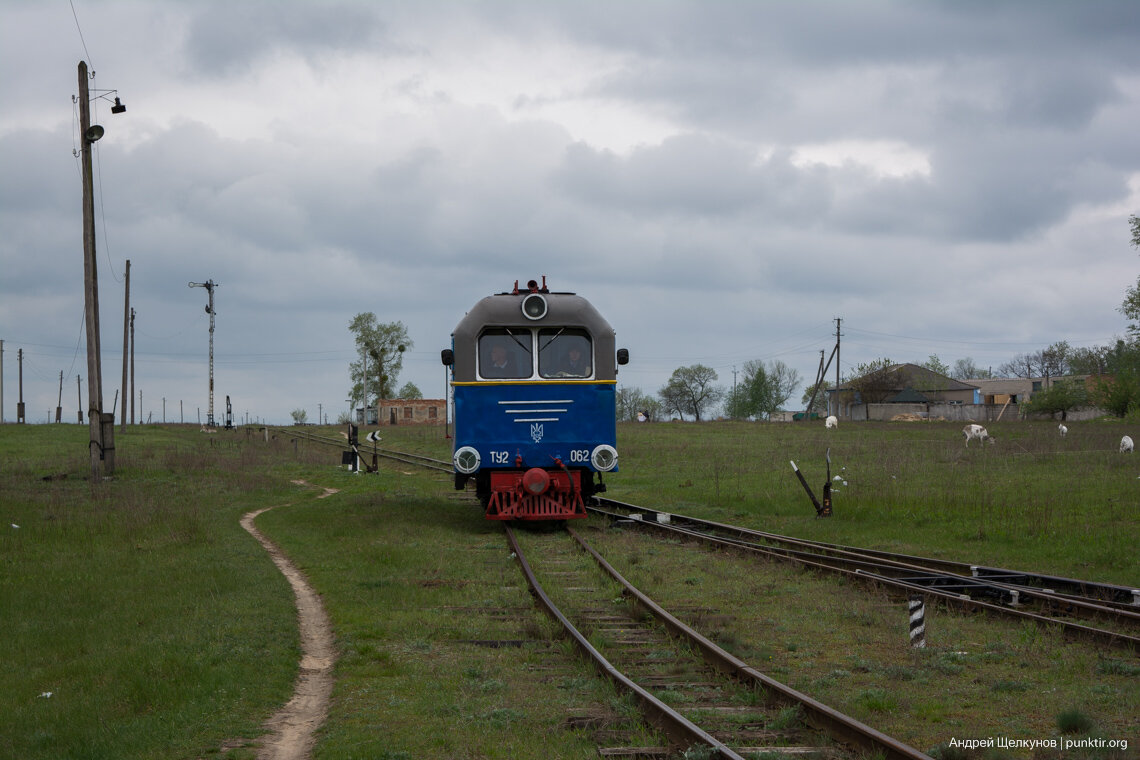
533,377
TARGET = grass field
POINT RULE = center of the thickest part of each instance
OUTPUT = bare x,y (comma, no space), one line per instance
160,629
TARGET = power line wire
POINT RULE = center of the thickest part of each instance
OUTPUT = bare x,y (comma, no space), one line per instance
80,30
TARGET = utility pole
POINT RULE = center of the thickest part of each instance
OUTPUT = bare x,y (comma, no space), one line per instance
838,321
209,285
735,399
59,406
79,396
20,402
102,443
133,367
126,344
1,382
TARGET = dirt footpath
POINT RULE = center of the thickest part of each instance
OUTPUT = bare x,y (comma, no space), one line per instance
293,727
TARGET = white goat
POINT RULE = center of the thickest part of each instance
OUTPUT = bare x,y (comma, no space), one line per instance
831,422
976,431
1126,444
1064,431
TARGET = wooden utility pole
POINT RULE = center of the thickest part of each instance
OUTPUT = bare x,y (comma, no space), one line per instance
126,343
59,406
102,443
133,368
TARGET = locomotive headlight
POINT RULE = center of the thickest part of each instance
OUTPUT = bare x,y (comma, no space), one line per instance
466,460
534,306
604,458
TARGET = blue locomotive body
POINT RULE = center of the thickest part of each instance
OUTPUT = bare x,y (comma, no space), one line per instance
533,381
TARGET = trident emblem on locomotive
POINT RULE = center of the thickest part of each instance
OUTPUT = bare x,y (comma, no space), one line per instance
536,432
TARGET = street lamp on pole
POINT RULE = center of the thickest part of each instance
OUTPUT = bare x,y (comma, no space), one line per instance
209,285
102,439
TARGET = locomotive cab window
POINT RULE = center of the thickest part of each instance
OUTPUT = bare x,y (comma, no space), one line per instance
565,352
505,354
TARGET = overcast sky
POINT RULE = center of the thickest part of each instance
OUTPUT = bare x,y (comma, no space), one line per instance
721,179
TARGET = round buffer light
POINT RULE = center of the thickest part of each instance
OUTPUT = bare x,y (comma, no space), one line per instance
466,460
604,458
534,306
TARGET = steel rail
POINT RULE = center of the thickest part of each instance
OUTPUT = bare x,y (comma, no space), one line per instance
1047,586
841,727
821,562
399,456
677,727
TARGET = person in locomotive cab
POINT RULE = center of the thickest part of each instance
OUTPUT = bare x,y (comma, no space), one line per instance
502,363
575,364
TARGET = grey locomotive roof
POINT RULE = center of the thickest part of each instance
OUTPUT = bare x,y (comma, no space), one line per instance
505,310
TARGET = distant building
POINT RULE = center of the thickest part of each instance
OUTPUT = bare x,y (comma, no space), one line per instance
903,390
898,384
412,411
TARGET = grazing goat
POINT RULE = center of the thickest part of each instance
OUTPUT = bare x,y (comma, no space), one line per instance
831,422
1126,444
1064,431
976,431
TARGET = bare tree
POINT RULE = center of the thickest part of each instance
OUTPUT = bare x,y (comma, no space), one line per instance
964,369
690,390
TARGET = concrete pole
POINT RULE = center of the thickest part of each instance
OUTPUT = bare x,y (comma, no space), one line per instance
20,399
126,339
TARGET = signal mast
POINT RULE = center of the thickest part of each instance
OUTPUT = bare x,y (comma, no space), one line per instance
209,285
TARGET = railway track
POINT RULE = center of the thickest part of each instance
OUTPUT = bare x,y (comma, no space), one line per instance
694,692
1103,613
1099,612
365,448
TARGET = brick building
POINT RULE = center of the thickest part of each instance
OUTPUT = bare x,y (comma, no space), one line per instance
412,411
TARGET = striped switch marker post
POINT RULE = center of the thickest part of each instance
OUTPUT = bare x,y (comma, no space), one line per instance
917,622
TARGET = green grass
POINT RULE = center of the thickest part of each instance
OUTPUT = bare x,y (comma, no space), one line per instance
139,604
1033,500
163,630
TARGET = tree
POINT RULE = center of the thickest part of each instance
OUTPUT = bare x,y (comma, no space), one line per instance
965,369
736,404
874,381
766,388
300,416
1117,388
934,364
410,390
1134,223
820,403
1063,396
1055,360
381,349
1022,365
630,401
1089,361
1047,363
690,390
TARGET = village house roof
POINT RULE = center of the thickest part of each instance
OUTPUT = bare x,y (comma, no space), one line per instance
911,379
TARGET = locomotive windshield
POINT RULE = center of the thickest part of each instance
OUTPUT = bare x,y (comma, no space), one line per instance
505,353
564,352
